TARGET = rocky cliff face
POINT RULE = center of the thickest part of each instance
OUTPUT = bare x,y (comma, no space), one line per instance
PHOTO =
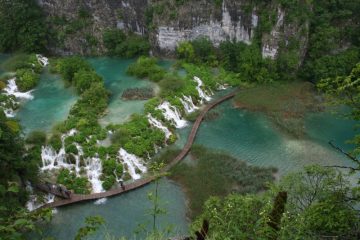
85,34
167,23
199,18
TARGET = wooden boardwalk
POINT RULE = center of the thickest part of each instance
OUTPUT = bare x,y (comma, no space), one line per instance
144,181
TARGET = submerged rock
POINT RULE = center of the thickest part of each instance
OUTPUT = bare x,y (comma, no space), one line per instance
138,94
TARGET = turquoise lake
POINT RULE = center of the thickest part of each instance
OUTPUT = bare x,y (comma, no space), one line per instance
253,138
123,214
51,104
246,135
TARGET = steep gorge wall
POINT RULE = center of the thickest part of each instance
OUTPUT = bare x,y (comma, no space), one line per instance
167,23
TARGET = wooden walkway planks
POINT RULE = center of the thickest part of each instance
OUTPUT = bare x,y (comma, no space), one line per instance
144,181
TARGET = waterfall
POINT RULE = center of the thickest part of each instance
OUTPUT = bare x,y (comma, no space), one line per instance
133,162
12,89
172,114
93,171
43,61
156,123
188,104
202,94
57,160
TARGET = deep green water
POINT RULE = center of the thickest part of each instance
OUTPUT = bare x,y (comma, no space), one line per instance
246,135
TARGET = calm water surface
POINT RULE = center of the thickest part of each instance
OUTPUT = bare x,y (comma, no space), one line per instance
253,138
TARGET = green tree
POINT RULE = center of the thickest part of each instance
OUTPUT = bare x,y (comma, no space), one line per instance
320,204
16,167
185,50
22,26
346,91
84,78
125,45
67,67
26,79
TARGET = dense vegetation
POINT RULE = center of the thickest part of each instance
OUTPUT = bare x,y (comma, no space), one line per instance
345,90
136,137
22,26
318,203
27,70
17,166
125,45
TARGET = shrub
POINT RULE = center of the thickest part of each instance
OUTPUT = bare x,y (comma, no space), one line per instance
26,79
55,141
67,67
108,182
71,149
71,181
146,67
84,78
120,44
171,84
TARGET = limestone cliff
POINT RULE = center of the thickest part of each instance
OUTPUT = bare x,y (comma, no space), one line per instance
169,22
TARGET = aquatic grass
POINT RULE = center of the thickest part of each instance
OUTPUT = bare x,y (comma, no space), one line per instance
214,173
285,103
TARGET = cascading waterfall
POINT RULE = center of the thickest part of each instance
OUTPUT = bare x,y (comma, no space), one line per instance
202,94
188,104
133,162
172,114
93,171
43,61
12,89
57,160
156,123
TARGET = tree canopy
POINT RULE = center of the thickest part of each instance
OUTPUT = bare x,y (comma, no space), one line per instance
22,26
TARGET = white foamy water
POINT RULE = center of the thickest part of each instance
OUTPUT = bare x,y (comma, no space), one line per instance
93,171
133,162
156,123
9,113
188,104
202,94
56,160
12,89
100,201
172,114
34,202
43,61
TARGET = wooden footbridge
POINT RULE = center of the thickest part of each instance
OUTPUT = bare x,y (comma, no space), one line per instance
144,181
